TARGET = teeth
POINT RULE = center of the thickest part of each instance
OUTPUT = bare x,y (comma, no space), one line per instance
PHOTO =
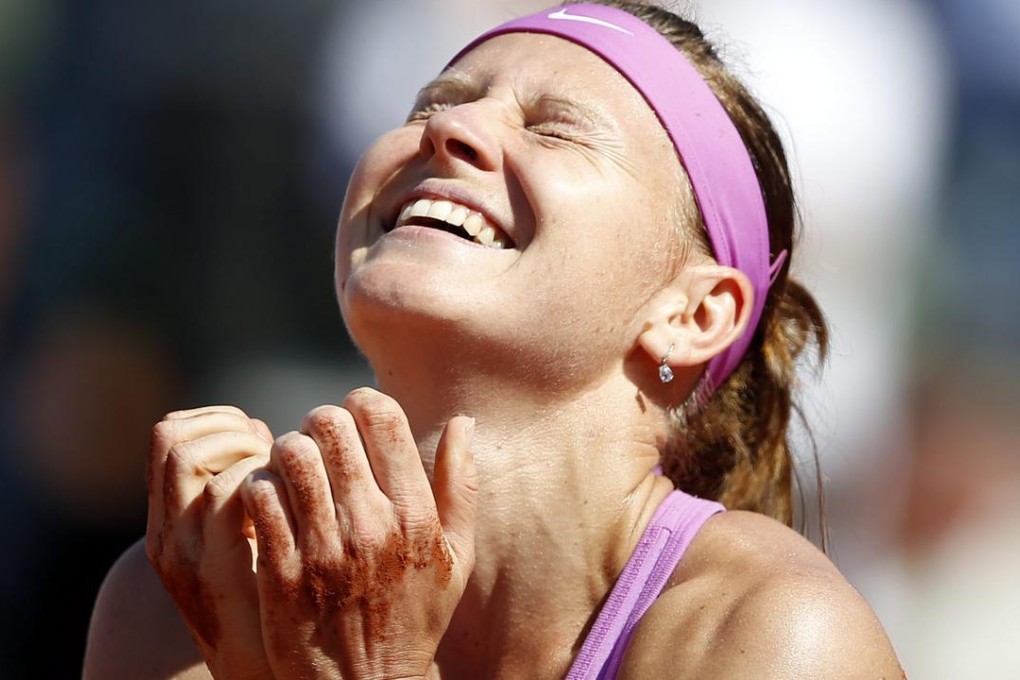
421,208
458,215
440,210
472,222
485,236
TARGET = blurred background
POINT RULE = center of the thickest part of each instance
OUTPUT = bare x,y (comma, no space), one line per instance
170,176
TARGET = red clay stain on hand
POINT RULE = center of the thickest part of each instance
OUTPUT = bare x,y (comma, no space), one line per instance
370,582
194,600
337,461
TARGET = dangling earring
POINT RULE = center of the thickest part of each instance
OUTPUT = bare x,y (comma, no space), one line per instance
665,372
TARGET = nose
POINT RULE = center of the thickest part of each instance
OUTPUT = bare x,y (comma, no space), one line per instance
462,134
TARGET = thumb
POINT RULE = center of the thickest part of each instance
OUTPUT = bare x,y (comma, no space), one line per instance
455,485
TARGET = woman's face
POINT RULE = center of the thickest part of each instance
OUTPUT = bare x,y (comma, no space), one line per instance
526,204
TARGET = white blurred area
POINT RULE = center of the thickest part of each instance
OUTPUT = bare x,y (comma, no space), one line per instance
860,95
859,92
863,93
398,46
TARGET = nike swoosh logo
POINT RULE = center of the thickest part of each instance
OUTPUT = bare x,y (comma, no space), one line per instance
563,16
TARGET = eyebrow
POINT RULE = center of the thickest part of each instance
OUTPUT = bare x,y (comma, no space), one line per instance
449,85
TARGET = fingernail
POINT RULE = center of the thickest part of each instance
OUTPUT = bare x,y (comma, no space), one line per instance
469,428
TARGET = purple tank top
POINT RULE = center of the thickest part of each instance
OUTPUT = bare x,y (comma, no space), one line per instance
675,524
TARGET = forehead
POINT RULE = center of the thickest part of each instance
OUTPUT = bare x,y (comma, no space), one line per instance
534,65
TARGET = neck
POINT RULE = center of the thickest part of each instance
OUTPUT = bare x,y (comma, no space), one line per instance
567,487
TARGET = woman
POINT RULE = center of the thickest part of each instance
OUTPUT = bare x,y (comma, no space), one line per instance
568,243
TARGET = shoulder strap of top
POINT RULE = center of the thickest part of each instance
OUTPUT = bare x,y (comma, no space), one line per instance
673,527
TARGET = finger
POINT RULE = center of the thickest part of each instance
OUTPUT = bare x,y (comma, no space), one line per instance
226,562
392,452
296,459
191,464
174,429
456,488
224,519
204,410
265,500
263,430
353,486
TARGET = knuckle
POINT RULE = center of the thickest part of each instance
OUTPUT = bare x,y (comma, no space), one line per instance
261,496
384,421
379,412
322,560
365,538
177,462
279,574
250,445
327,420
366,399
218,490
294,448
364,392
164,435
336,436
420,523
201,410
230,409
180,460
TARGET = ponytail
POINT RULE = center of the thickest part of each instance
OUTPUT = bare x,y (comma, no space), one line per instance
733,445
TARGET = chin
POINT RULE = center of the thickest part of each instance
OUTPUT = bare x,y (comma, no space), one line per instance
387,303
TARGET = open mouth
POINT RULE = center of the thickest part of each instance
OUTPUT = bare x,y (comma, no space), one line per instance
455,219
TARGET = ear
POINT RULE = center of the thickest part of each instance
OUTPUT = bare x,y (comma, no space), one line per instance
701,313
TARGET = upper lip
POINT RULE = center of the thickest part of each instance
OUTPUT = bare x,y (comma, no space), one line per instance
454,195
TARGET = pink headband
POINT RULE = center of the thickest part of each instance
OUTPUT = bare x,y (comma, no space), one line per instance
709,146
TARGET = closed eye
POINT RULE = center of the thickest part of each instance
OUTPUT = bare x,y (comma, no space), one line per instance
552,131
551,116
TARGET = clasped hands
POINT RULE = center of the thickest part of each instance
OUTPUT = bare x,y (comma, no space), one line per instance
324,553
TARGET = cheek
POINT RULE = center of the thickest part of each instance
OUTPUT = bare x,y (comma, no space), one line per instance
378,167
382,161
591,293
616,242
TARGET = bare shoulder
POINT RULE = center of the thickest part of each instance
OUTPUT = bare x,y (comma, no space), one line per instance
752,598
136,631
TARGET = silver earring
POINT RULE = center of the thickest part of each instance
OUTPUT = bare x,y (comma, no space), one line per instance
665,372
